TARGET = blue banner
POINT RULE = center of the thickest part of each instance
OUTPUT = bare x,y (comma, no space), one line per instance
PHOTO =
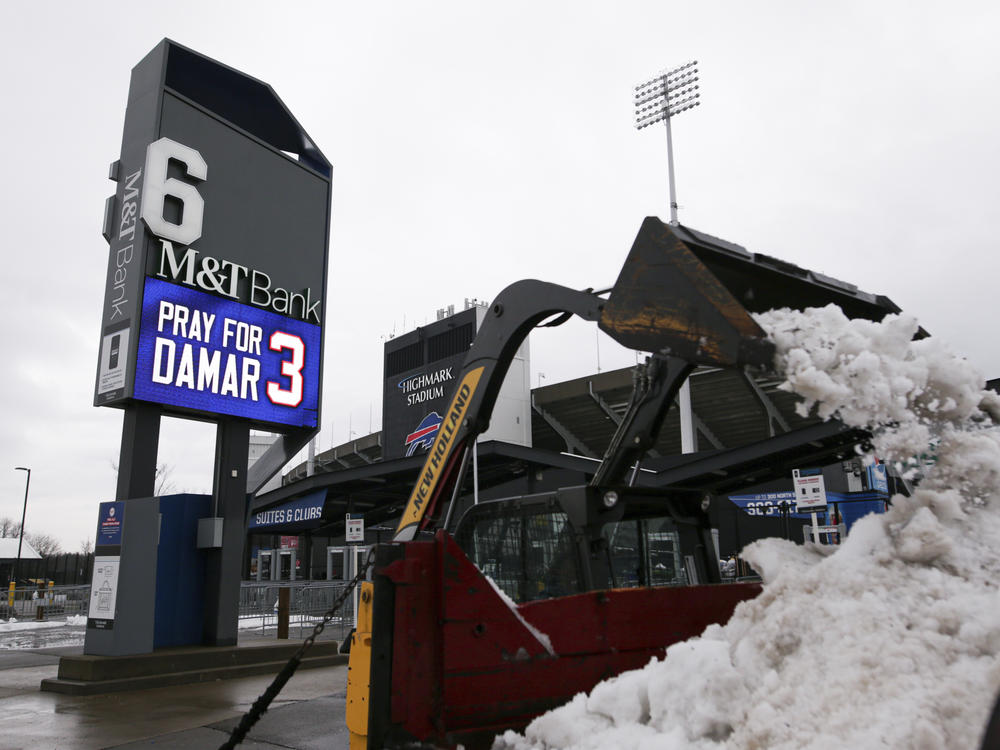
858,509
768,504
110,517
851,506
218,356
300,514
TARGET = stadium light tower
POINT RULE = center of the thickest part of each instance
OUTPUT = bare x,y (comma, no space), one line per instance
661,98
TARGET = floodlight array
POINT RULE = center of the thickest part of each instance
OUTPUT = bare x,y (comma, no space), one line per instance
668,94
672,79
669,74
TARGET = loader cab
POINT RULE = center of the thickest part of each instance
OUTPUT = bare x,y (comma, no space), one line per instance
582,539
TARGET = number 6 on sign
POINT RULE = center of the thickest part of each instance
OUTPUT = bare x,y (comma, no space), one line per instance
159,187
291,369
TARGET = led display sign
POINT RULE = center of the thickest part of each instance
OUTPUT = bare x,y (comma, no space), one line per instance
205,353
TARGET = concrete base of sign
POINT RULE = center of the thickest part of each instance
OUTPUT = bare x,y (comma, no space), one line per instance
94,675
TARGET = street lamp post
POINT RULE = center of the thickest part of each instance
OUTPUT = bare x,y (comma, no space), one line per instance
661,98
24,511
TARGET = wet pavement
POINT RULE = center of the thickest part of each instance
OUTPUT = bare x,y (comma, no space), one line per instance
307,714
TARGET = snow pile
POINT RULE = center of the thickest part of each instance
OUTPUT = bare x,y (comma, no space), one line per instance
890,640
913,393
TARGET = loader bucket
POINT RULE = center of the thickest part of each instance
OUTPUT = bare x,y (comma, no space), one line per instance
667,301
689,294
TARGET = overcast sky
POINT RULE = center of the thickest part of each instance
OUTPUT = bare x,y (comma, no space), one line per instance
472,147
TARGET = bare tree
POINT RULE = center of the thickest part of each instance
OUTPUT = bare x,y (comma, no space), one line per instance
163,484
86,546
45,545
9,528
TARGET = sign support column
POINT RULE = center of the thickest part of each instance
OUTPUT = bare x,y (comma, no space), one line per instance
214,306
354,532
222,568
137,459
810,495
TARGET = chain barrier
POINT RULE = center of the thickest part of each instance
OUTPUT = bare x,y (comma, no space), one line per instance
261,704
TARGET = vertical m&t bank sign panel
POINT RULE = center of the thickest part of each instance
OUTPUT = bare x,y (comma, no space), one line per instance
218,233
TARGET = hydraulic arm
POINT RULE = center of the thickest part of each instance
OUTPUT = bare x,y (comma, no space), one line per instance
516,310
665,301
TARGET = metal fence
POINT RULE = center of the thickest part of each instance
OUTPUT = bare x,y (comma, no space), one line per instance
56,602
308,602
66,569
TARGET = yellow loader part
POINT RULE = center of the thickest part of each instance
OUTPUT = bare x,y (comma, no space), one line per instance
359,671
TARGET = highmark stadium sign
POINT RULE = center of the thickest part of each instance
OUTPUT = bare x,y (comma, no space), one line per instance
218,258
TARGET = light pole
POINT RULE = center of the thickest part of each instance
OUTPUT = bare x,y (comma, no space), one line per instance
24,511
661,98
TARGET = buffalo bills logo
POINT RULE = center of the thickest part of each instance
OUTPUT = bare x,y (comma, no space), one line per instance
423,436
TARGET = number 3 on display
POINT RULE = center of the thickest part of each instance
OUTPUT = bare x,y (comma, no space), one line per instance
291,369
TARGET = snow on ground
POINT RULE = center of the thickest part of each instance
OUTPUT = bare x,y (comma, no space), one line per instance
264,622
13,625
245,623
891,640
23,634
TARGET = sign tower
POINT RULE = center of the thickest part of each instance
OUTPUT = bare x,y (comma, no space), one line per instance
215,297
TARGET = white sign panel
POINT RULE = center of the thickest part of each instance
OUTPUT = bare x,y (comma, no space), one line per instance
114,350
810,491
355,529
104,592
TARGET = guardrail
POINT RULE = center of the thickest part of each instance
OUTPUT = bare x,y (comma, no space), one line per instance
55,602
308,602
258,609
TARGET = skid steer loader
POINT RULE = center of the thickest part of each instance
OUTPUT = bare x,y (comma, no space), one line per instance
476,625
